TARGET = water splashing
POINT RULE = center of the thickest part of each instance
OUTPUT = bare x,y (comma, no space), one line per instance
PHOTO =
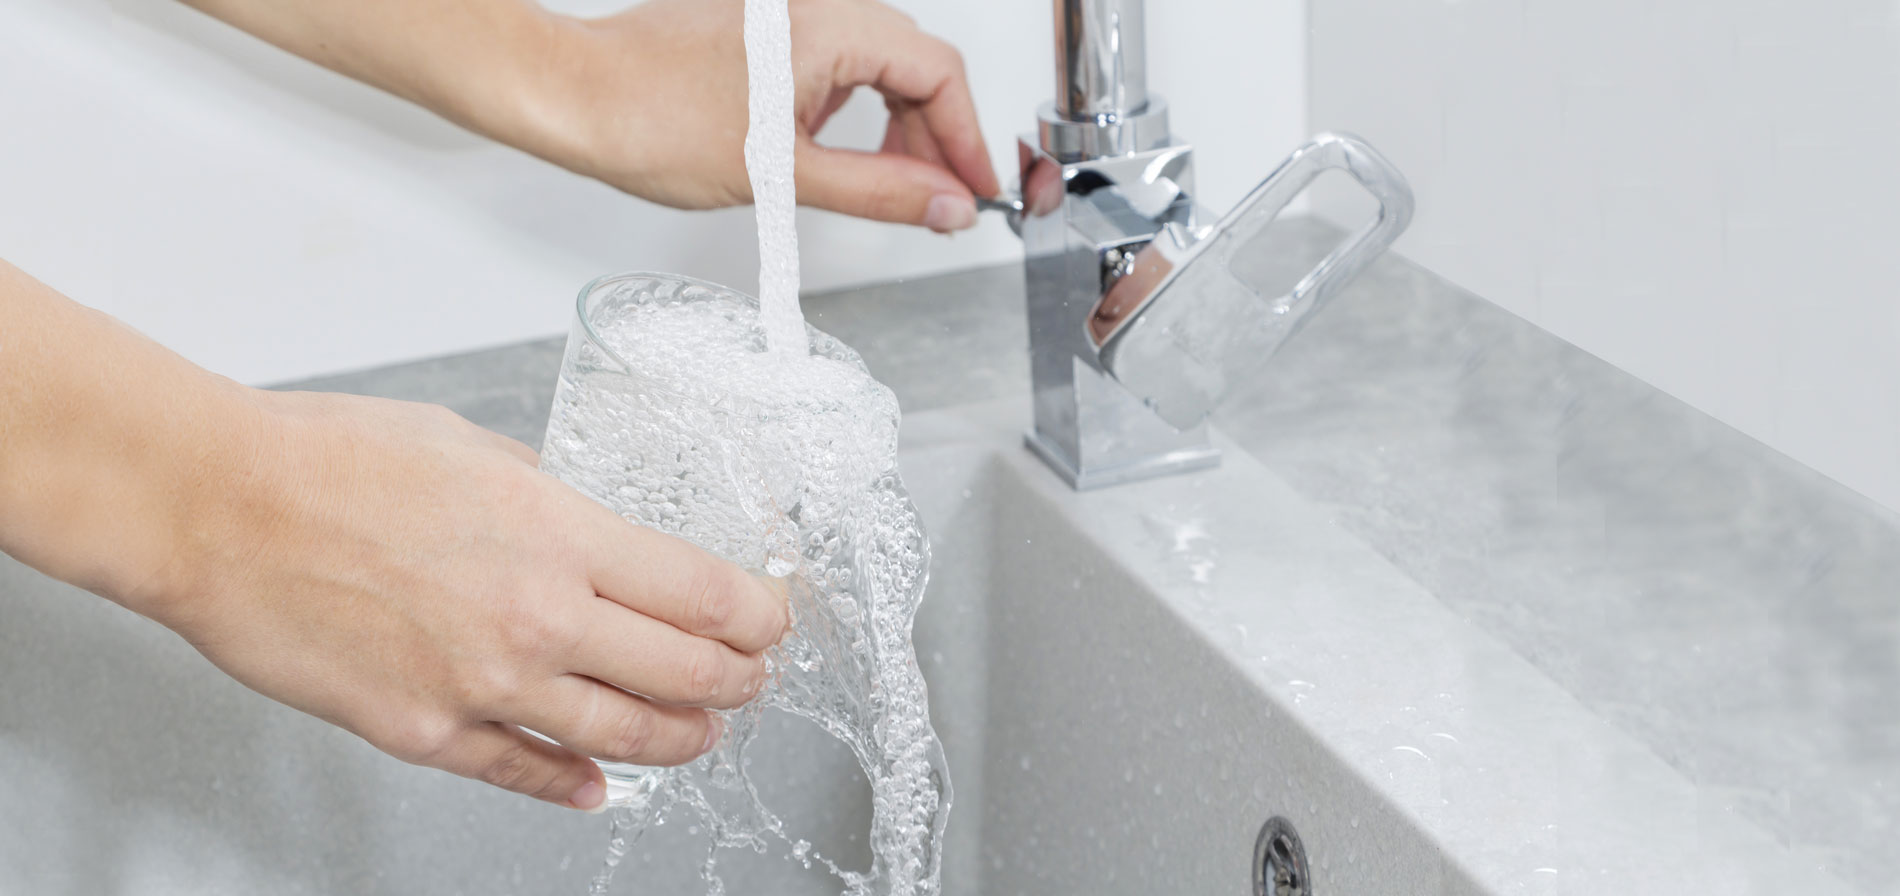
785,465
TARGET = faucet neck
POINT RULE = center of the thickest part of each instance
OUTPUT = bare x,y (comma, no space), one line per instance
1102,108
1101,65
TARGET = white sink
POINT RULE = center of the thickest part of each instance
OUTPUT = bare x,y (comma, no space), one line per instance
1128,683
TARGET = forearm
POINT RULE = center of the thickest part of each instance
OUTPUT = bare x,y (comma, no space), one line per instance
106,439
487,65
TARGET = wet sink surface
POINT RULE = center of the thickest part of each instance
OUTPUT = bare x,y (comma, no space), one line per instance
1476,612
1128,684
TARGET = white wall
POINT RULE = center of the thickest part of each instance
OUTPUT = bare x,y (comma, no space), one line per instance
270,220
1700,193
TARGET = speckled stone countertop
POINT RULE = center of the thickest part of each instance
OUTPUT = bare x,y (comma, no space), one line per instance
1732,609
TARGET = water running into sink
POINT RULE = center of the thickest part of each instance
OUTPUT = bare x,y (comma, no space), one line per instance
770,444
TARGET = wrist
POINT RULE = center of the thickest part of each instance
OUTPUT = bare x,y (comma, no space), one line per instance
177,496
539,100
105,440
576,109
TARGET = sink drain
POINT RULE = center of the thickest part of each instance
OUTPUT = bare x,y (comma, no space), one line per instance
1279,861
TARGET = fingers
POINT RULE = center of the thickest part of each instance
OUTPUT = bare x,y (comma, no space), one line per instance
611,724
514,760
637,653
927,74
883,187
918,141
671,580
933,162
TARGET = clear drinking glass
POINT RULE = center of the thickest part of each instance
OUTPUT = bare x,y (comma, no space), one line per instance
669,412
662,443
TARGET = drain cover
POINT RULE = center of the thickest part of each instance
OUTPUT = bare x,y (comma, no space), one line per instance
1279,861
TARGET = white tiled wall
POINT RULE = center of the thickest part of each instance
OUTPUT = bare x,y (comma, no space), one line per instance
271,220
1701,193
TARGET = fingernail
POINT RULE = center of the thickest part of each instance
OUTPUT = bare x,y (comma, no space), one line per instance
946,213
713,732
590,798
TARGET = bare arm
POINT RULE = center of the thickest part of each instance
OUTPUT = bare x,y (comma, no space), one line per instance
104,437
653,100
382,565
487,65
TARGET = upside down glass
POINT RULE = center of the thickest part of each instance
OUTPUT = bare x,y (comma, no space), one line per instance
670,411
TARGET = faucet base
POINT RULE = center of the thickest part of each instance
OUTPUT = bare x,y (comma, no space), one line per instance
1182,460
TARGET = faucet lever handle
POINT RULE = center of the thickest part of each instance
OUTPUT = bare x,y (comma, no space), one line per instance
1179,354
1010,205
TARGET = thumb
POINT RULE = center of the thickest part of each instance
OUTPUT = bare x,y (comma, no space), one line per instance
884,187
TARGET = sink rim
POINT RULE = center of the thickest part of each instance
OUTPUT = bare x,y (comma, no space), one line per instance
1528,754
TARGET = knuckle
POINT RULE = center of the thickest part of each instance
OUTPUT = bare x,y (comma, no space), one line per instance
945,55
418,739
713,601
514,769
704,673
522,450
499,685
441,415
520,493
545,628
531,629
632,736
492,682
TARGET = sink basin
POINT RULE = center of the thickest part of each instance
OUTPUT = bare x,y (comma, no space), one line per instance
1128,682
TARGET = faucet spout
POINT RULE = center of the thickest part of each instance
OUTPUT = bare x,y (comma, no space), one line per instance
1124,363
1178,328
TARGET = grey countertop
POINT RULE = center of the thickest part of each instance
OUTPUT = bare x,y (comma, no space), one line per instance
1735,611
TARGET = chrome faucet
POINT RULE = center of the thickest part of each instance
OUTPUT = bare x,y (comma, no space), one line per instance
1136,325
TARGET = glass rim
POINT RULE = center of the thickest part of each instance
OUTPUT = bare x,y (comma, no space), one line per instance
594,285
